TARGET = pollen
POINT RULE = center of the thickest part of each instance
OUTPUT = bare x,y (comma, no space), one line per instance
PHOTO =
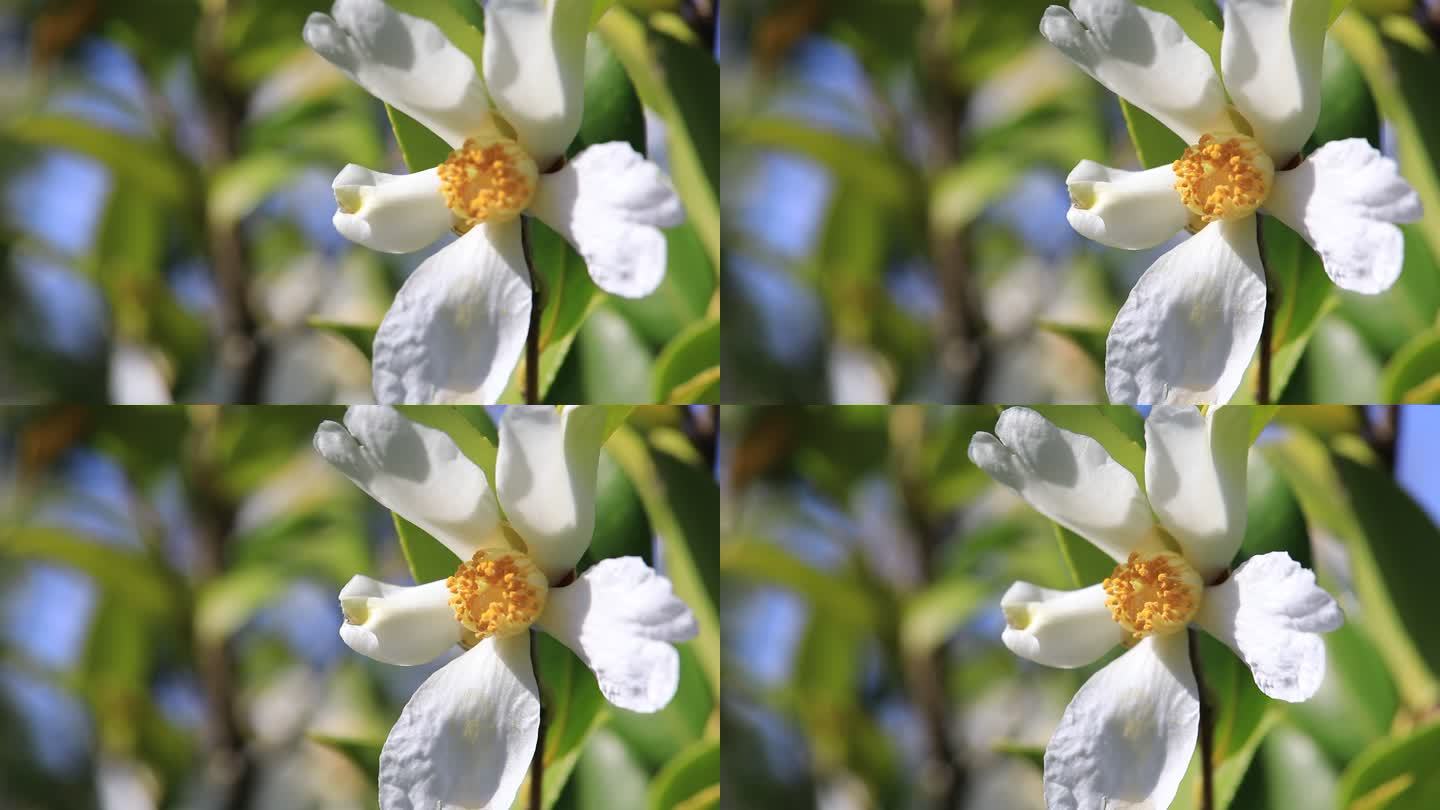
1223,178
489,179
497,593
1153,594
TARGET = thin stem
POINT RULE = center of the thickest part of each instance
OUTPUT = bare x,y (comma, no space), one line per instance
532,337
1267,328
1207,727
537,764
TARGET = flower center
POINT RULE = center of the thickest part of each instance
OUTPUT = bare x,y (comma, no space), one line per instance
1223,178
497,593
488,179
1153,594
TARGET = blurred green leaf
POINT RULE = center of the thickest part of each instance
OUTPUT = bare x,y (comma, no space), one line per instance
683,297
691,781
361,336
1356,702
574,709
688,370
833,594
607,775
1413,374
654,738
1303,295
226,603
681,83
936,612
610,363
1274,521
612,108
142,165
138,581
1338,367
858,163
239,186
1395,774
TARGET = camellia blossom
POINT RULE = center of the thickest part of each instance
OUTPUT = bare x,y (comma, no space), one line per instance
1127,737
467,736
458,326
1191,324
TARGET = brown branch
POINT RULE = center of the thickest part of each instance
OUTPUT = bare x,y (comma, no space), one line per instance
532,337
1207,726
1267,327
537,763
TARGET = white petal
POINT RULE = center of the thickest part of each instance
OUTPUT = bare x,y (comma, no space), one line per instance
1070,479
465,739
392,213
1271,612
1126,738
416,471
1270,56
545,477
395,624
1144,57
1343,199
457,328
1195,477
620,618
1058,628
1190,326
535,69
609,202
1130,210
405,62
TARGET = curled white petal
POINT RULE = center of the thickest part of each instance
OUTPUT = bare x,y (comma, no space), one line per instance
396,624
392,213
404,61
610,203
535,69
1190,326
1126,738
465,739
1070,479
1344,200
1130,210
1058,628
1270,57
1144,57
456,329
1195,469
416,471
545,478
621,618
1271,612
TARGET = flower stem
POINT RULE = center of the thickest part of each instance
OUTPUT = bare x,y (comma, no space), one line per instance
1207,727
532,336
1267,328
537,763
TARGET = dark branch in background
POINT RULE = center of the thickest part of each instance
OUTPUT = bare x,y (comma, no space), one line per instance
945,776
532,337
213,513
702,424
1207,726
700,16
963,354
242,350
537,763
1267,328
1381,433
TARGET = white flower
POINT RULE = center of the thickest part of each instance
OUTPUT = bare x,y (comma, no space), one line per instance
1126,738
458,326
466,737
1191,325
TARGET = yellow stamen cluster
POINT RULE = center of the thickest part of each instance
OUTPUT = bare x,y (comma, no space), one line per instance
1153,594
489,179
1223,179
497,593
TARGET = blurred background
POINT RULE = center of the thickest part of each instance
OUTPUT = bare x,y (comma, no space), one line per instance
863,558
895,208
165,224
169,616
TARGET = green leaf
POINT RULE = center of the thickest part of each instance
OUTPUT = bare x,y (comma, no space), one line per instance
1339,367
961,192
145,166
610,363
128,576
654,738
1413,374
238,187
1303,293
693,357
684,511
1395,774
1086,563
363,754
833,594
683,297
691,781
1274,520
361,336
613,111
429,560
681,83
421,149
1089,339
225,604
1155,144
856,162
607,775
573,708
934,614
1357,700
